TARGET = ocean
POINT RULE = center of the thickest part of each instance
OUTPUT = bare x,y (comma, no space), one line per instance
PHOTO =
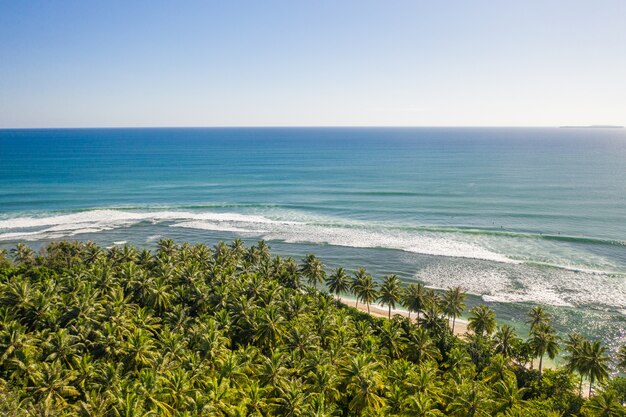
516,216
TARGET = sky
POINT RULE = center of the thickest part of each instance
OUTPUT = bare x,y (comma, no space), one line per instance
312,63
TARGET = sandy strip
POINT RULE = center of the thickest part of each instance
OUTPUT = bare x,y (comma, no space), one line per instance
377,310
460,327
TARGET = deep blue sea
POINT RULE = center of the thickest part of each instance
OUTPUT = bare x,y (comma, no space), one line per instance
515,216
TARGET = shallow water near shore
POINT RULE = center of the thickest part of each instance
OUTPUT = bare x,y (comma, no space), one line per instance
515,216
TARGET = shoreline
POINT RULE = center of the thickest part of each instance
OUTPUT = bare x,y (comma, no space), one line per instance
377,310
460,326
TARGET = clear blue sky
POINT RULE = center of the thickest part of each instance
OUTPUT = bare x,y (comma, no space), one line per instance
255,63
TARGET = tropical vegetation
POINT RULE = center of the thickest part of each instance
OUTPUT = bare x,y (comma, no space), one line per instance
230,330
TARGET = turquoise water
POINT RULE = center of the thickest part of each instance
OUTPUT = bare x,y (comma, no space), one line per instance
515,216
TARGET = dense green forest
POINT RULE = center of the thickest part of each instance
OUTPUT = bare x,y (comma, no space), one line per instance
231,330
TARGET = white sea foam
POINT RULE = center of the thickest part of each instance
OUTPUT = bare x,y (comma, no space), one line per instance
521,283
52,227
218,227
299,227
504,281
153,238
120,216
423,243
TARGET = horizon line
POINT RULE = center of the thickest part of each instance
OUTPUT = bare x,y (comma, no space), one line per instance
607,126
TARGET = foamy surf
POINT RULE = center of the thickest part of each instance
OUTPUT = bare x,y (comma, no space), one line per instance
299,227
511,283
59,226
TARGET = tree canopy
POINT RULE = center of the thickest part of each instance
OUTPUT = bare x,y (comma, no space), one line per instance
230,330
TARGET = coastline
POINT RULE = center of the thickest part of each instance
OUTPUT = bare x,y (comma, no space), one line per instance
460,326
377,310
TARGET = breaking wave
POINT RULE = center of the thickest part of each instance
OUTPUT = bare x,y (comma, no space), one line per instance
522,267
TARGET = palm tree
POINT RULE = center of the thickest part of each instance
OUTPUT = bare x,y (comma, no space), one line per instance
238,249
338,282
537,316
264,251
94,405
453,303
63,346
508,395
357,283
291,401
605,404
544,341
324,379
367,291
290,276
422,406
505,341
573,346
482,320
364,385
390,293
269,327
414,298
139,350
432,319
313,270
471,402
17,346
421,347
22,254
594,362
273,370
4,262
160,294
167,247
498,370
255,399
392,338
53,384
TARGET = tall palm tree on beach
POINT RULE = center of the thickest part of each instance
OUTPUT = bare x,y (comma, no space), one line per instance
453,303
338,281
544,341
414,298
505,340
390,292
573,347
313,270
367,291
537,316
482,320
357,282
594,362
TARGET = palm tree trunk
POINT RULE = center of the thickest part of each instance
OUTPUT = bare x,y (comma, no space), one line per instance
453,322
540,363
580,387
389,311
357,303
418,317
368,308
590,384
409,314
